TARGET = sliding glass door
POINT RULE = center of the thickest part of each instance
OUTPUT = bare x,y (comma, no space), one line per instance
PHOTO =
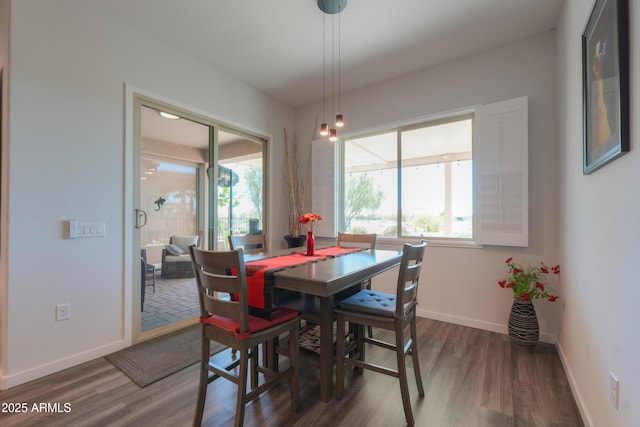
196,181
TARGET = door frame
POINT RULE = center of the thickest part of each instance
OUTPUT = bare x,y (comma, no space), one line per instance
134,98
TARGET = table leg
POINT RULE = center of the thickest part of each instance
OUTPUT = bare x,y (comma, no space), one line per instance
270,354
326,346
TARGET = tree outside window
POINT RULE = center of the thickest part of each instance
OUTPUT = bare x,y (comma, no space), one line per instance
435,172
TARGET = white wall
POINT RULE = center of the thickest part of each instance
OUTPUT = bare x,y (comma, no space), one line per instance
69,66
4,117
599,233
460,284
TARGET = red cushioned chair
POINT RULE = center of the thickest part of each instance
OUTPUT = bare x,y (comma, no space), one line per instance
229,323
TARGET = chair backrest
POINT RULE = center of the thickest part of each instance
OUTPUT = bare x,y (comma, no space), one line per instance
408,277
364,240
250,243
221,272
183,242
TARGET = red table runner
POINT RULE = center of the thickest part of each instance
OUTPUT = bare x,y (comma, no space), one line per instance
260,275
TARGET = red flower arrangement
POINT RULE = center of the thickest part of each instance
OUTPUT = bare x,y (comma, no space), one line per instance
309,219
527,283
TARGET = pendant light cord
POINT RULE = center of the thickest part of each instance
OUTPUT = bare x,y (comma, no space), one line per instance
339,64
333,65
324,67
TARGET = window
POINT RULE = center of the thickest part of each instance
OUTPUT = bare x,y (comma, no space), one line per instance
461,179
413,181
240,185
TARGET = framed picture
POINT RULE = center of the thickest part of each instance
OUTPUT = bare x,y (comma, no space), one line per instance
605,77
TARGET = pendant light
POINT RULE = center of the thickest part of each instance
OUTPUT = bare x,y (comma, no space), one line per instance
332,7
324,127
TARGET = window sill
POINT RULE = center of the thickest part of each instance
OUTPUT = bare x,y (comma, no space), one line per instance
433,242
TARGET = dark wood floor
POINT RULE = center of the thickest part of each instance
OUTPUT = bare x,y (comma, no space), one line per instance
471,378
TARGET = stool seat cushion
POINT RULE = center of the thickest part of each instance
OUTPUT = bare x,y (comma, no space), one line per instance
371,302
256,324
178,258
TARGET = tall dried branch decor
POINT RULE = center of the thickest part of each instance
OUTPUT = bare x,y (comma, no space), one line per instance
297,194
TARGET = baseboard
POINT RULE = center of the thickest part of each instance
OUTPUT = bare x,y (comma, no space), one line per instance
8,381
478,324
582,407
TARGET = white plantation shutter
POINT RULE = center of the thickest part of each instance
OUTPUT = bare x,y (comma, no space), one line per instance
502,173
324,194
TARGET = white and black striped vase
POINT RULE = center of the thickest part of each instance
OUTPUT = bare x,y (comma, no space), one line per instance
523,325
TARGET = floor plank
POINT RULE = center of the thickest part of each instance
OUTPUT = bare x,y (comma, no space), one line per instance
471,378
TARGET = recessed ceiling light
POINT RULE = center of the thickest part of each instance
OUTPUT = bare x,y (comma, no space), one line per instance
168,115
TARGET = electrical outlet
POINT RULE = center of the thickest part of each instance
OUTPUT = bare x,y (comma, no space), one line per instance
614,390
63,312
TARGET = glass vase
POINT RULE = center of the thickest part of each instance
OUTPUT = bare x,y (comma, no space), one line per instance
311,243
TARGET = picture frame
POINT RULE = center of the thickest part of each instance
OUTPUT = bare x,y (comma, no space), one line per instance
605,77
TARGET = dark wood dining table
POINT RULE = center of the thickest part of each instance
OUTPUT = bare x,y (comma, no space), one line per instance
324,279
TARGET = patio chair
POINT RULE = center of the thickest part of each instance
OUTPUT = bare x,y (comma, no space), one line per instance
176,262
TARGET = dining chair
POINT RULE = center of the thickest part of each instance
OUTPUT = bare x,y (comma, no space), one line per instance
228,322
367,241
391,312
361,240
250,243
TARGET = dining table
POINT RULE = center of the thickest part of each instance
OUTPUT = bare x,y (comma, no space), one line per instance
322,279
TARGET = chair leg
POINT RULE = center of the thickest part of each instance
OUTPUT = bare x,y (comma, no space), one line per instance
203,382
242,387
254,367
294,362
340,349
414,357
402,376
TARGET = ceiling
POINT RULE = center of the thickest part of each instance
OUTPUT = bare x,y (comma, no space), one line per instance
182,131
277,46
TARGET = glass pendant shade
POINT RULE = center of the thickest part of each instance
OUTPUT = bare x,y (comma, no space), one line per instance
324,129
333,135
339,121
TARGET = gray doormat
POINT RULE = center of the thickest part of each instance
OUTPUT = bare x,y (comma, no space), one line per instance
152,360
